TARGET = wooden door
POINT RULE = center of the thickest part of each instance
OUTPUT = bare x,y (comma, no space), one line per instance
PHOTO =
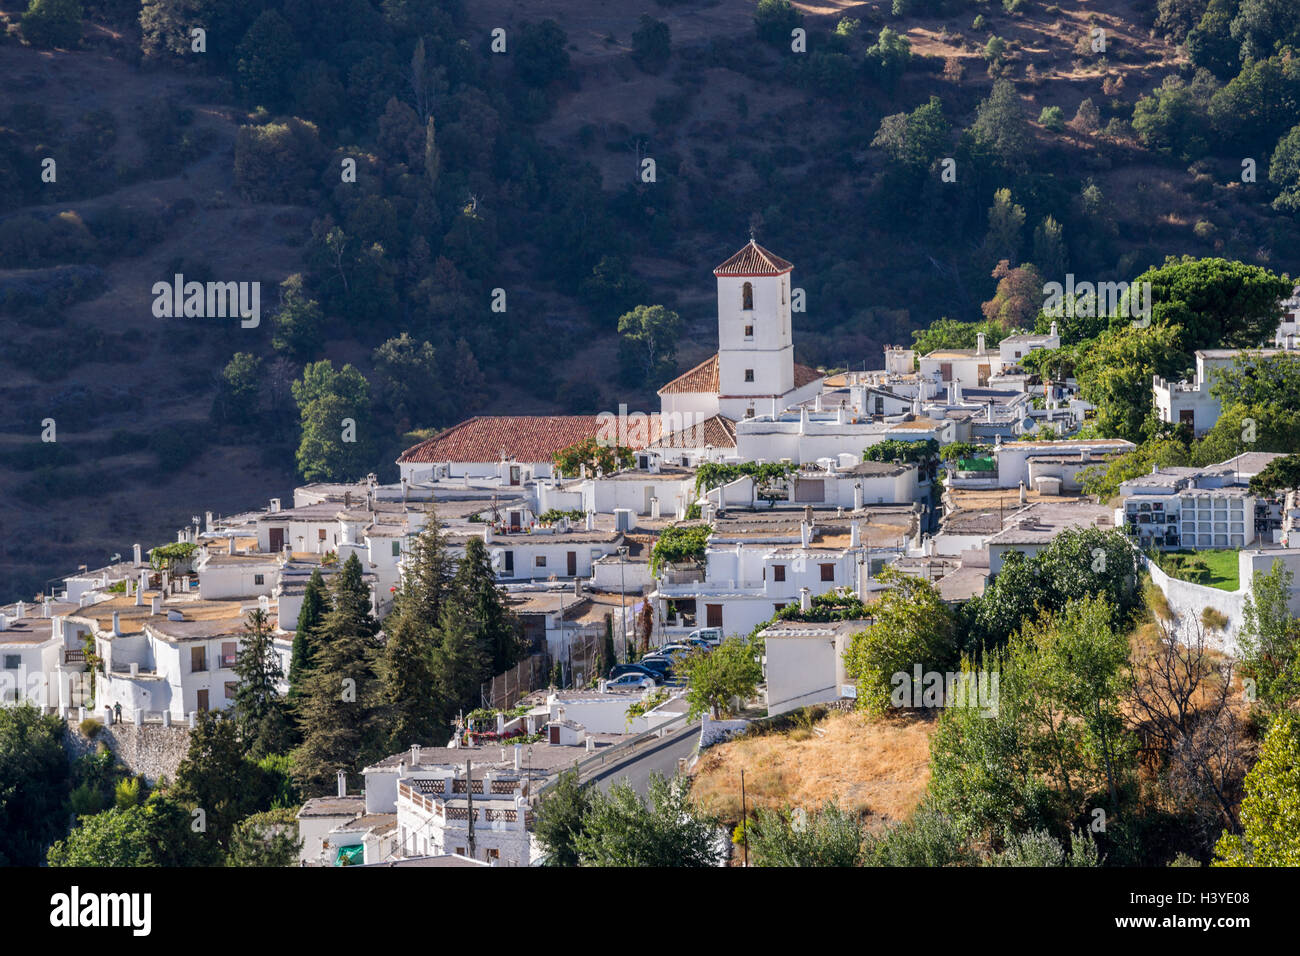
573,563
203,699
713,615
277,539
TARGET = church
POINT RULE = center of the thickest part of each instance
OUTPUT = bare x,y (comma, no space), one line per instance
753,371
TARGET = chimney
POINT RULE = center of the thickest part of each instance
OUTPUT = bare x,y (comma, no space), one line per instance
654,508
22,611
415,755
230,544
1024,497
805,599
343,784
818,403
135,669
155,604
591,521
857,496
347,500
1053,331
1085,454
855,534
805,533
207,521
45,608
979,343
275,507
139,559
4,623
117,623
519,757
405,489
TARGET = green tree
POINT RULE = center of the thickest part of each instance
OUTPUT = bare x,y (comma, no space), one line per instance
1006,229
1270,810
155,833
335,413
651,44
1001,125
539,54
1284,172
774,19
217,779
916,139
258,708
1279,475
1268,645
595,454
714,678
299,325
478,602
408,376
1115,373
310,615
620,829
266,61
238,393
1216,303
408,683
336,710
560,819
34,780
649,342
926,838
269,838
887,58
459,666
911,625
49,23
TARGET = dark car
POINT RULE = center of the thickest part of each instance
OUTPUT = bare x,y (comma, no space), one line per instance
618,670
658,663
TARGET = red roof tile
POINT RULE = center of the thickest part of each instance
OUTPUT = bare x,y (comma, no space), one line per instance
803,375
718,431
526,438
753,260
702,378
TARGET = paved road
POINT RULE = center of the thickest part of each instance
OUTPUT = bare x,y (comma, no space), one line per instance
663,758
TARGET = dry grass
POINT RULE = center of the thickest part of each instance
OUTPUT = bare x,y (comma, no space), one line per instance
876,767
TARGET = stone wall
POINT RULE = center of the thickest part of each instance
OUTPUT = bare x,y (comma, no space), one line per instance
152,750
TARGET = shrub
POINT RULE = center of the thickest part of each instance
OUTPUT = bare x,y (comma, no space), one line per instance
90,728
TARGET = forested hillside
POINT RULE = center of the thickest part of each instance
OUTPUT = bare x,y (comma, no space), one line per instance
915,159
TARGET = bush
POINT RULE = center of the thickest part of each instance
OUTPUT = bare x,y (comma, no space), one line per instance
90,728
50,23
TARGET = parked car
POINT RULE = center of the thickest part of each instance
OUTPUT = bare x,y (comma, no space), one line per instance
673,651
661,664
618,670
630,681
712,635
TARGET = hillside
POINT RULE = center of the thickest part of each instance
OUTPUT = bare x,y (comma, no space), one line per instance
534,190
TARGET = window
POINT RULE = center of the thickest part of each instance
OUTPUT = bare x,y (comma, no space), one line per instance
397,549
320,534
460,851
778,572
198,659
492,854
778,608
749,412
713,615
259,580
749,331
747,296
749,375
12,662
510,562
229,651
828,572
231,687
540,561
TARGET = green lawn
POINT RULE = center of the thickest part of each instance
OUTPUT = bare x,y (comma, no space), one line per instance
1218,568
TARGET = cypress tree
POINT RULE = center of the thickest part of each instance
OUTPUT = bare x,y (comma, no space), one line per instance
337,711
477,600
258,710
610,657
314,608
408,683
459,664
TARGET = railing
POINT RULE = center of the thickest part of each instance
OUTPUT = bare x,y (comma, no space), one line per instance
74,657
618,752
228,660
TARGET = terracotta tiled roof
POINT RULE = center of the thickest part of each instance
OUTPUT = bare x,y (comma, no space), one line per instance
525,438
718,431
702,378
753,260
803,375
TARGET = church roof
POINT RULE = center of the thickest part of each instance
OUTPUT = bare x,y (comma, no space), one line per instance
753,260
524,438
718,431
702,378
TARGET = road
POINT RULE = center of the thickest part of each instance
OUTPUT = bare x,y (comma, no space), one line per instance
663,758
